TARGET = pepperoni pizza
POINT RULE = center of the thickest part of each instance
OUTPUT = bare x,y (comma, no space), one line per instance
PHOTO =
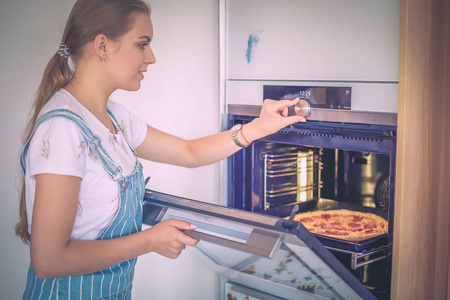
343,224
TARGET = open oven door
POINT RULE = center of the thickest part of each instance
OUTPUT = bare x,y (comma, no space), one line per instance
261,257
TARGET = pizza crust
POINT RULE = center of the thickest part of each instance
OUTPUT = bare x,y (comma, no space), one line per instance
343,224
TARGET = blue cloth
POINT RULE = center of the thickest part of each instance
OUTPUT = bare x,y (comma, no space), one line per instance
114,282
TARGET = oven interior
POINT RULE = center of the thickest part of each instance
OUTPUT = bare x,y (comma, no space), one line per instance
322,166
316,177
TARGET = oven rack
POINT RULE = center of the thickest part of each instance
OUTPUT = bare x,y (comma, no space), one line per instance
365,257
298,168
291,190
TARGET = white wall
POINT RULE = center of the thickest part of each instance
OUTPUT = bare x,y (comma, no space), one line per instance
29,34
180,95
181,88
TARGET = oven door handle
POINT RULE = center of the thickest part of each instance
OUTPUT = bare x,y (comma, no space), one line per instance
232,234
259,242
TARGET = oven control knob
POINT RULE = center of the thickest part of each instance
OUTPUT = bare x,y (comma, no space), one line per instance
303,108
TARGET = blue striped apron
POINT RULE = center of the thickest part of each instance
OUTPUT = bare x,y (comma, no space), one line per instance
114,282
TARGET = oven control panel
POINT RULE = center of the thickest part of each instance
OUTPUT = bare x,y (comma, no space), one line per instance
318,103
315,96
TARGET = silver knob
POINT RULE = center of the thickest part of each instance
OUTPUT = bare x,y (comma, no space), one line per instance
303,108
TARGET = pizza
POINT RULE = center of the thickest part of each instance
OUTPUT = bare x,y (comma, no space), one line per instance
343,224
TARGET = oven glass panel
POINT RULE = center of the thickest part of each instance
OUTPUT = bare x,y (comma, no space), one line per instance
295,267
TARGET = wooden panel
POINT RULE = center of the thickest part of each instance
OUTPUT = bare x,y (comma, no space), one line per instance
422,209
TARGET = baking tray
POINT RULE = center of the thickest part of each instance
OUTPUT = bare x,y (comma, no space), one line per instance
327,204
358,246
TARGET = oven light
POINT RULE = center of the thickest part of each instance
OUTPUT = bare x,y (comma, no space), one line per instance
303,178
302,196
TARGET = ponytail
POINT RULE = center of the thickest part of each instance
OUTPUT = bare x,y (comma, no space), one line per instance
57,74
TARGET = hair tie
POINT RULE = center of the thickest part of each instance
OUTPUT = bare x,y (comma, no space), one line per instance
63,50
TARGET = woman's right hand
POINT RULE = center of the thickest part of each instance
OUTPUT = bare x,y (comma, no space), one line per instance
273,117
168,239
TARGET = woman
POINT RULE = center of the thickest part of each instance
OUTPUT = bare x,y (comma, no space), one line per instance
81,206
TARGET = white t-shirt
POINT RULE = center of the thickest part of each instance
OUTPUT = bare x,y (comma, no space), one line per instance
58,147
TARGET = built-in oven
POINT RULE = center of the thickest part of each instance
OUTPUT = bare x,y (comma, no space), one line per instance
339,159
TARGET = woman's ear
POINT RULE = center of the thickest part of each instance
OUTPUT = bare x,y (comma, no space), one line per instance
100,46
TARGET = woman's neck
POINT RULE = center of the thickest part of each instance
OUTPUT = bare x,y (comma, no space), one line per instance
93,95
90,92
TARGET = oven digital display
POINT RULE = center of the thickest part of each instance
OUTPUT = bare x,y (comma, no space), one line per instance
318,97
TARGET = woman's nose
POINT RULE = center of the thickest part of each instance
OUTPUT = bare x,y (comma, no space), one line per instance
150,57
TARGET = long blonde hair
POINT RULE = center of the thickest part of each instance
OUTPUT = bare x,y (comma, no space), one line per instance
88,18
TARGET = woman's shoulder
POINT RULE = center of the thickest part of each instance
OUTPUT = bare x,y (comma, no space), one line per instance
117,109
120,113
134,128
62,99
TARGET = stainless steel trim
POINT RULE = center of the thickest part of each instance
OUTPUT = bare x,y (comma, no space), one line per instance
223,174
329,115
244,110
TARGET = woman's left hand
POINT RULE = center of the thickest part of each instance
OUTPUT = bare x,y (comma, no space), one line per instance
273,117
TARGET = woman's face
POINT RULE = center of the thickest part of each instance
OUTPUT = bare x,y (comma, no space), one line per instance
131,55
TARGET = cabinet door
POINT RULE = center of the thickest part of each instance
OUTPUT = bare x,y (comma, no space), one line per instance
312,40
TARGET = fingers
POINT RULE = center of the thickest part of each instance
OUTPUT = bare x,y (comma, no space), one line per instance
273,117
188,240
282,104
176,238
294,119
281,107
182,225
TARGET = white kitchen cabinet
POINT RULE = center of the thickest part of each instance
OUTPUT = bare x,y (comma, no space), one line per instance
351,40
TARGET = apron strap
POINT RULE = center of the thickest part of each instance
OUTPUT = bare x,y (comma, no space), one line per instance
123,132
92,140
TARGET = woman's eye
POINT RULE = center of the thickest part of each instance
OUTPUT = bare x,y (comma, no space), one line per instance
143,45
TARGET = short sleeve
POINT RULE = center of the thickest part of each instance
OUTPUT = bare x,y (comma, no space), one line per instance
134,129
57,147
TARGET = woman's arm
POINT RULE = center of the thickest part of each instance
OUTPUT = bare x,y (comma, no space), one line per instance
162,147
54,254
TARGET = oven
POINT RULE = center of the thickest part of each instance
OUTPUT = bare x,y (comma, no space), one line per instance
338,159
